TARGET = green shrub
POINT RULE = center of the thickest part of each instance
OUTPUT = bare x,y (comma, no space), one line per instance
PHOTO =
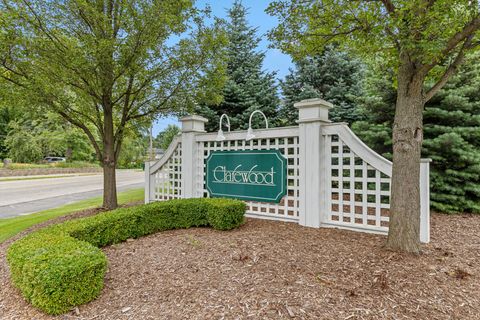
22,166
61,266
75,164
55,272
222,214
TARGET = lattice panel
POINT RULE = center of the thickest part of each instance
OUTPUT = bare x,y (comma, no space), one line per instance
168,179
287,209
359,193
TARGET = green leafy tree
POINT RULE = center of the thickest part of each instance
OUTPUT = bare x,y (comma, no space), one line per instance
248,87
332,75
7,114
133,153
36,136
165,137
451,140
48,131
22,144
424,41
105,65
77,146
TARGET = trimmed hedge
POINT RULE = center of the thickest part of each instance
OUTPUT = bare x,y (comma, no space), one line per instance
61,266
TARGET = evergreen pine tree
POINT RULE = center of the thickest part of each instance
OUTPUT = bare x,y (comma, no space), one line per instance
452,141
333,76
248,87
377,106
451,136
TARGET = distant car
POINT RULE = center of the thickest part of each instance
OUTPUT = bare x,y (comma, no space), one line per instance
54,159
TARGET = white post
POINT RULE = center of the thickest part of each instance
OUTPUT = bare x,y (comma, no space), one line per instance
191,125
149,182
425,200
313,113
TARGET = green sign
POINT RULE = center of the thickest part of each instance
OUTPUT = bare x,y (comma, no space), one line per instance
256,175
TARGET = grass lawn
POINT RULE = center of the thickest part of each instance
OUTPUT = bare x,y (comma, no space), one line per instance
11,226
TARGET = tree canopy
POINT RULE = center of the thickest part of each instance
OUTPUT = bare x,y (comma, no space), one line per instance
430,30
34,137
103,65
165,137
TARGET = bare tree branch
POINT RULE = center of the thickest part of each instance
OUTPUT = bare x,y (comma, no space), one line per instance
159,106
152,111
461,35
13,81
468,31
44,29
389,6
87,131
118,136
452,68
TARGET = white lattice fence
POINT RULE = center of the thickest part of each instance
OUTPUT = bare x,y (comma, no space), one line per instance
333,178
358,182
166,175
285,140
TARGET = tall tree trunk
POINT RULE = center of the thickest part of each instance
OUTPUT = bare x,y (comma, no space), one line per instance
109,186
109,163
68,153
404,227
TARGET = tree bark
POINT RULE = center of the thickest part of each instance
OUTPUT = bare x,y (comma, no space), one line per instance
404,226
109,186
109,161
68,153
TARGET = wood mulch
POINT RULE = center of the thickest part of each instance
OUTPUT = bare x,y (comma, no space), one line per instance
275,270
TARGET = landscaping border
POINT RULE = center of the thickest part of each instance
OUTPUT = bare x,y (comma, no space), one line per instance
60,267
46,171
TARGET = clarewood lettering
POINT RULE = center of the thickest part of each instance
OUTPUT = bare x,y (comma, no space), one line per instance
238,176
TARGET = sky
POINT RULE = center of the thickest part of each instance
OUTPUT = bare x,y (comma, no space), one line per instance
274,59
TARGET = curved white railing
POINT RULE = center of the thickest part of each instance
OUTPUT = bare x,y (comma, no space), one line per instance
166,156
358,182
164,177
358,194
358,147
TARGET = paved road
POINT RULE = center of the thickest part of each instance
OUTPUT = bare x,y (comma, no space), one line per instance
27,196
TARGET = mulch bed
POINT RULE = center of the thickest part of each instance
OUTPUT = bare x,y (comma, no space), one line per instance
275,270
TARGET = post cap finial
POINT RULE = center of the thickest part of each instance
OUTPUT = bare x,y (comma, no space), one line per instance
193,123
312,103
313,110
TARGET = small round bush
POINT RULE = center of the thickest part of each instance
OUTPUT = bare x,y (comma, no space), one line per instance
56,272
